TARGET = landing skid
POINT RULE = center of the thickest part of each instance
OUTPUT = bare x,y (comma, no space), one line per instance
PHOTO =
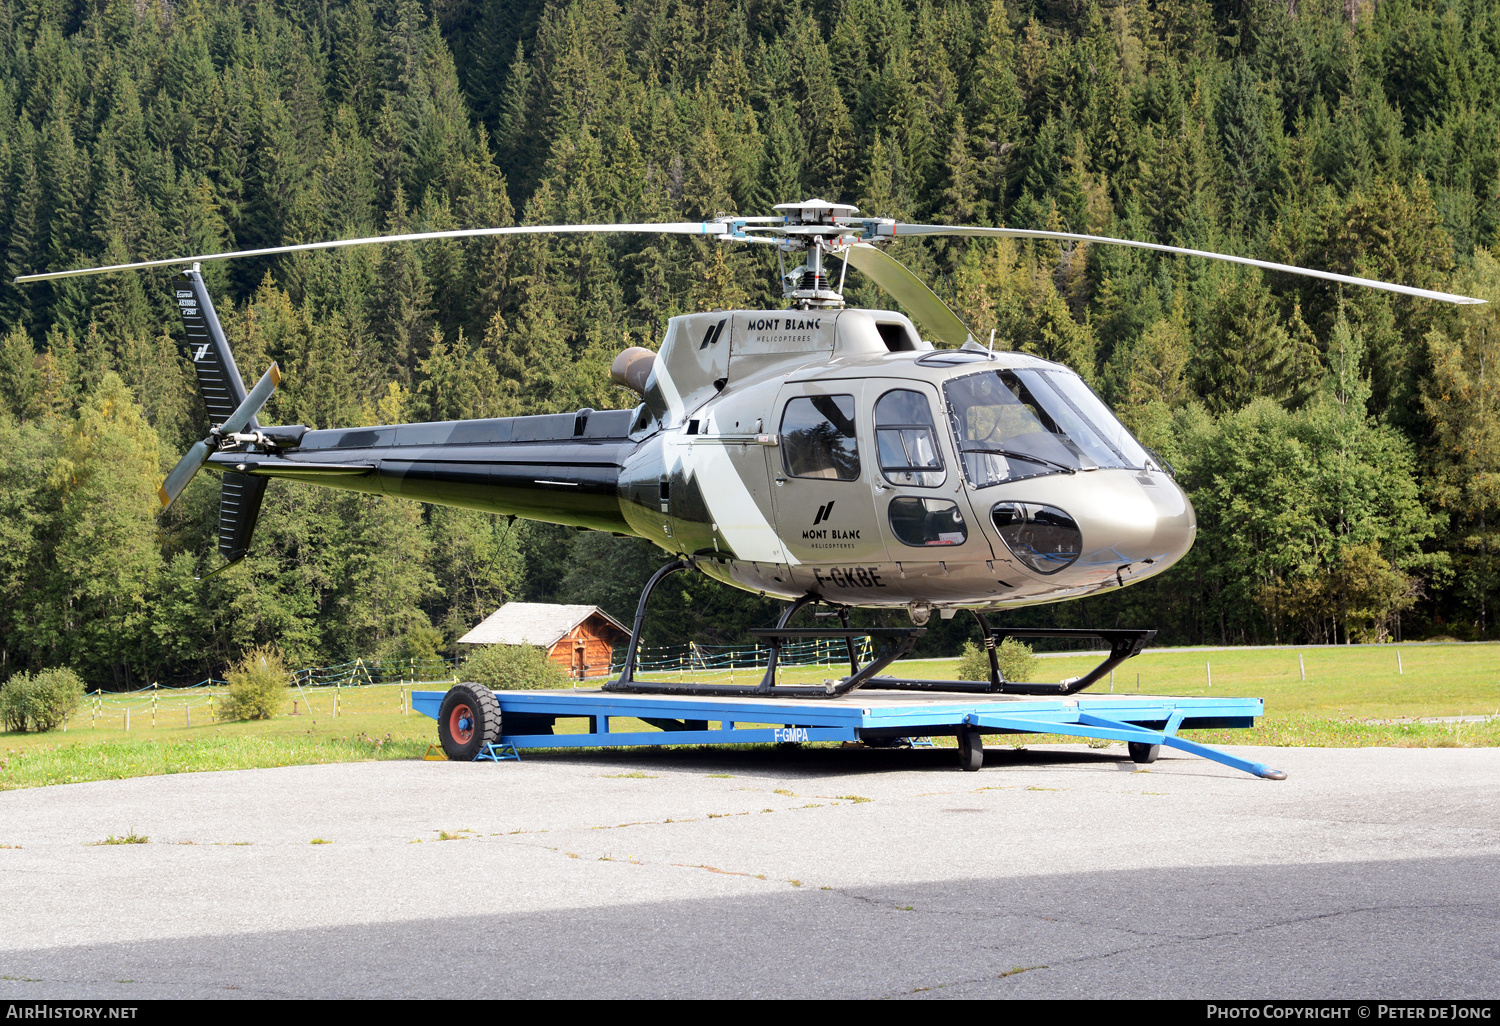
895,642
1123,644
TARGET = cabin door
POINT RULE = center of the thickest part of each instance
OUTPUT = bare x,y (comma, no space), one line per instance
821,472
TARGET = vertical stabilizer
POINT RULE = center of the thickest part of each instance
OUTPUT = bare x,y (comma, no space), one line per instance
219,381
223,390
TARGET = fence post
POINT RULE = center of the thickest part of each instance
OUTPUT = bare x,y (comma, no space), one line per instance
127,719
1209,669
1399,670
187,711
1302,667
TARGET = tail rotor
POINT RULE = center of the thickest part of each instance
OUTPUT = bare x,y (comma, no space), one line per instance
198,455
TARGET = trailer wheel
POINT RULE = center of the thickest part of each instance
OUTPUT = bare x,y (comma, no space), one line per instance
1142,752
468,719
970,749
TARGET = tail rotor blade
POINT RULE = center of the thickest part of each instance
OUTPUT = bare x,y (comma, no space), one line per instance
910,291
253,402
181,474
198,455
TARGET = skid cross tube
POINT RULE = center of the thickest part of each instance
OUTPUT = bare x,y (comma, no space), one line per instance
996,681
1083,724
849,640
1123,644
627,672
769,680
897,641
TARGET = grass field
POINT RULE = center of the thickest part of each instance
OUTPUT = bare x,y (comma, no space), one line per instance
1345,682
1347,693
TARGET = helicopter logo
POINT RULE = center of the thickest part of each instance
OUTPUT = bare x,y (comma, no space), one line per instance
711,337
824,512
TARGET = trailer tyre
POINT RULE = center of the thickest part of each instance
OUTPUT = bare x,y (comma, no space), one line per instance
970,749
468,719
1142,752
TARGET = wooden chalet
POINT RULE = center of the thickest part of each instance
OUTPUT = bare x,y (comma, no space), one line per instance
580,639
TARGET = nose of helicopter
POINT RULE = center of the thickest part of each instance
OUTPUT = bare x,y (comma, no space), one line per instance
1145,524
1176,521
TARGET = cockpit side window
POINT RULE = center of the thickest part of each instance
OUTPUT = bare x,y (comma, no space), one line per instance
907,440
817,438
1014,424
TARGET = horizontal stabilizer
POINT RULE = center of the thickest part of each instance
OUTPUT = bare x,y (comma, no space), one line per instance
296,471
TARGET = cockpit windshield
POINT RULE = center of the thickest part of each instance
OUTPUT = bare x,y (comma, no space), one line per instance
1014,424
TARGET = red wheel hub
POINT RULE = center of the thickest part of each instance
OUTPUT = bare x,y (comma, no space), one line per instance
461,724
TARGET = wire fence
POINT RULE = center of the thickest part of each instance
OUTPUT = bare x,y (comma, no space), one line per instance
718,664
319,687
151,708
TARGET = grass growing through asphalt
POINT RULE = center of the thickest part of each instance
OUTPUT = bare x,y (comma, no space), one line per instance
131,838
1345,689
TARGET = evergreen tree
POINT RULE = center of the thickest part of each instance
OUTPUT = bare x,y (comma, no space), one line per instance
1462,402
404,314
25,239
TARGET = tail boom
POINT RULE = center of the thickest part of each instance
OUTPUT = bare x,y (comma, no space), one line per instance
561,469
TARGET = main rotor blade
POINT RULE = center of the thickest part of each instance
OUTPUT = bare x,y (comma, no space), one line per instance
253,402
910,291
898,230
708,228
181,474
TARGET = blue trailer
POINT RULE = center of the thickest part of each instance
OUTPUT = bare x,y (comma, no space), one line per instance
471,718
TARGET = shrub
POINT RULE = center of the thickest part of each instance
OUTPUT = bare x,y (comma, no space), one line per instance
422,642
1017,662
40,701
514,667
256,685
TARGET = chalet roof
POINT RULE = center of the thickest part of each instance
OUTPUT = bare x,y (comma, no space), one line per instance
533,623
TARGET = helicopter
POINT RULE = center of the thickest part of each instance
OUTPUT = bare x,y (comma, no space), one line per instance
816,453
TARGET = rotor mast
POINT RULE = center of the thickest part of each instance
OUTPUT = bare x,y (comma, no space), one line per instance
814,230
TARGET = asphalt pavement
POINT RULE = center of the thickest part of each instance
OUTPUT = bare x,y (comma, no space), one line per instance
1053,872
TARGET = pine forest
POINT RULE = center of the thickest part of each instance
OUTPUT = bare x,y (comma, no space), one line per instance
1341,446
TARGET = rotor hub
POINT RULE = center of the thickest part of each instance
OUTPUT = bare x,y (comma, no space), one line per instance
822,227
